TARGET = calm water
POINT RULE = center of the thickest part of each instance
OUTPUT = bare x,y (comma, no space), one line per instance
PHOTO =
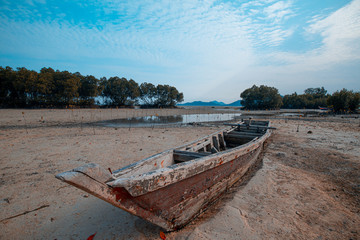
150,121
292,114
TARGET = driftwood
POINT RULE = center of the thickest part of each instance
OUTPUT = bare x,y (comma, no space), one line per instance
24,213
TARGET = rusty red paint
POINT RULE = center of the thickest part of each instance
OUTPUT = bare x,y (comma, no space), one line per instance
129,203
138,187
120,193
91,237
162,163
110,170
162,235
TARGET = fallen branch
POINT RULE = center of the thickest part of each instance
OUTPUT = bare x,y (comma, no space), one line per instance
24,213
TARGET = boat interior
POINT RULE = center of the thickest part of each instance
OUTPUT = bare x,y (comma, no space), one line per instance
239,134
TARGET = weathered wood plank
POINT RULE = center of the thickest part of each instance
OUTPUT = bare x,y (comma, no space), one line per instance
198,146
221,142
152,163
249,126
216,143
244,134
231,143
184,156
208,147
197,153
94,171
214,150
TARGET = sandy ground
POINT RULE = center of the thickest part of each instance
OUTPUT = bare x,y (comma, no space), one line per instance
307,186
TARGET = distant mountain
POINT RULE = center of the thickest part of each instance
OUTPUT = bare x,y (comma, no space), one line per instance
200,103
234,104
212,104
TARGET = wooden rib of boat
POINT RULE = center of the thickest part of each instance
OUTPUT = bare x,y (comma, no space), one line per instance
171,188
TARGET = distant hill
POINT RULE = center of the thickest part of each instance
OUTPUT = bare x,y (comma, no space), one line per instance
234,104
212,104
200,103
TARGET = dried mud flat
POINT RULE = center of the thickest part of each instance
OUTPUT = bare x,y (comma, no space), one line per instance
306,187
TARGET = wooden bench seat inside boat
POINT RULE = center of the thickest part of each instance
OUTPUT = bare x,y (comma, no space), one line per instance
183,156
237,138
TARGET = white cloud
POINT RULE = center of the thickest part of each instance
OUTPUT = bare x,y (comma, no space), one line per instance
266,22
340,33
278,11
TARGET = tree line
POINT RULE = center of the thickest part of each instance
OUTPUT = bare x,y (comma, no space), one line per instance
265,97
50,88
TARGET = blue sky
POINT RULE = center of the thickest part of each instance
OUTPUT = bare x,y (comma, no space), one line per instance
209,49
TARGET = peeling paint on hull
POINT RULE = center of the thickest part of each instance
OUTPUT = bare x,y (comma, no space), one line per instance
171,196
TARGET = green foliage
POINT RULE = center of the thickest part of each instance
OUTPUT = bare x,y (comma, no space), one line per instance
159,96
167,96
148,93
120,91
311,99
316,92
50,88
45,87
7,88
344,100
66,88
262,97
294,101
89,89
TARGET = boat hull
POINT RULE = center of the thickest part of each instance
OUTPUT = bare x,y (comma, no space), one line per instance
174,205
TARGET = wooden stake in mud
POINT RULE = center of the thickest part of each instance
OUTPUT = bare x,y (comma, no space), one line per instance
81,123
23,114
130,123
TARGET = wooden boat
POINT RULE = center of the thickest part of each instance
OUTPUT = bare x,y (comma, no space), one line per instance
171,188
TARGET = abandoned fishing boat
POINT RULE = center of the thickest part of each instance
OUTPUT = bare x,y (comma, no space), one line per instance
171,188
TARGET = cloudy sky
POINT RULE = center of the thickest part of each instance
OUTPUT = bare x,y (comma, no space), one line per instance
208,49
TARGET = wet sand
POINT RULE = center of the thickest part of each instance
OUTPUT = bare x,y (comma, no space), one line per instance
306,187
